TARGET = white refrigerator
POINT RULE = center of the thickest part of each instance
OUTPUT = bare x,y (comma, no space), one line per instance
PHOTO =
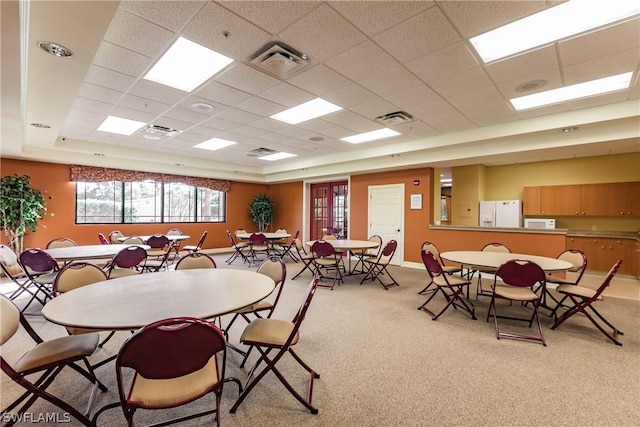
500,213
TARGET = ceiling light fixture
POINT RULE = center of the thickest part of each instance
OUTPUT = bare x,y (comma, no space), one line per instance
577,91
55,49
214,144
113,124
277,156
186,65
371,136
550,25
203,106
309,110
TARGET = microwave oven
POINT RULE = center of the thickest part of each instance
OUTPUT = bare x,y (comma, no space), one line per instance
539,223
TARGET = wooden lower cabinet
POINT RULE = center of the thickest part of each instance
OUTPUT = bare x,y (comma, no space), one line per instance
602,253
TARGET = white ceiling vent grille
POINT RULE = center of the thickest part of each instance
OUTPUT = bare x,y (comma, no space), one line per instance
260,152
280,60
160,130
395,118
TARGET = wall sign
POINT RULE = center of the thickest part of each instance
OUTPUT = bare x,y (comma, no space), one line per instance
416,201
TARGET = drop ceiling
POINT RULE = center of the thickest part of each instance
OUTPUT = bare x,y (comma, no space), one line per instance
370,58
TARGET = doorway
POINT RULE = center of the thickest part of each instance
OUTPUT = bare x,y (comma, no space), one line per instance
386,216
329,209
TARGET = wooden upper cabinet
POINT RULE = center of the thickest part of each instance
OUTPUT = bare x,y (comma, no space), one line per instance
531,201
560,200
611,199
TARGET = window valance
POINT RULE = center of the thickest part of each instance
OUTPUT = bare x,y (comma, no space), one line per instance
97,174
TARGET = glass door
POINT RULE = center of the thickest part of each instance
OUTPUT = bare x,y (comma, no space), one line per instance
329,209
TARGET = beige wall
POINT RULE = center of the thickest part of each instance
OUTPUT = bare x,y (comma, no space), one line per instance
474,183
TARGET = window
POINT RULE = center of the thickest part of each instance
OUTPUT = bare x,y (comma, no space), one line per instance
148,201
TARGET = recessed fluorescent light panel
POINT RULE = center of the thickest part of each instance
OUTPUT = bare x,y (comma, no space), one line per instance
113,124
556,23
186,65
577,91
371,136
307,111
214,144
277,156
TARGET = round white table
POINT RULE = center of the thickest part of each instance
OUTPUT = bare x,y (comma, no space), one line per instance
131,302
269,236
87,252
496,259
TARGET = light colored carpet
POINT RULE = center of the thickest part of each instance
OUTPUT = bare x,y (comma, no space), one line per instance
383,362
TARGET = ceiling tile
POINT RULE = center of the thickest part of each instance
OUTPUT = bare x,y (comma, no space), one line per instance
392,81
416,129
353,121
548,80
603,66
319,80
536,62
482,103
438,65
260,106
286,94
430,27
415,96
92,105
186,115
100,76
374,109
247,79
218,93
268,124
350,96
361,61
139,35
99,93
322,34
271,16
158,92
172,15
143,104
462,82
220,124
238,116
116,58
379,16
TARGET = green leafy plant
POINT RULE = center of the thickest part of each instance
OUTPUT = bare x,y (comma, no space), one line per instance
261,211
21,207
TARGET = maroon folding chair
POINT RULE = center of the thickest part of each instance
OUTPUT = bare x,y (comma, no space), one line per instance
127,261
258,243
520,280
158,252
378,265
583,299
451,287
103,239
198,247
41,269
326,258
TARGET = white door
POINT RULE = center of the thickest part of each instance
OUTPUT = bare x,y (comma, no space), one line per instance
386,216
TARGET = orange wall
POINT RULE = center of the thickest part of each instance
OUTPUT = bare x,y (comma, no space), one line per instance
288,206
53,180
416,222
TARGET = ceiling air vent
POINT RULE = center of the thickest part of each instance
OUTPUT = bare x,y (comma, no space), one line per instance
160,130
395,118
280,60
260,152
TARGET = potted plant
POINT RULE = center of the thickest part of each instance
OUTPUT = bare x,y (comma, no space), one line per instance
21,207
261,211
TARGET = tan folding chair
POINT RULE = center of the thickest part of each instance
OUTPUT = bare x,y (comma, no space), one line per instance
195,260
578,262
115,235
367,253
307,259
279,336
198,247
451,287
47,358
377,267
489,247
239,250
61,242
583,300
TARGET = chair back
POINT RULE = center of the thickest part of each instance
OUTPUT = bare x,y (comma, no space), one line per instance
495,247
103,239
577,259
61,242
174,232
76,275
9,262
431,263
158,241
322,249
130,256
9,319
302,311
171,348
114,235
38,261
231,239
202,238
133,240
607,280
276,269
195,260
374,252
281,230
521,273
240,231
258,239
329,237
388,251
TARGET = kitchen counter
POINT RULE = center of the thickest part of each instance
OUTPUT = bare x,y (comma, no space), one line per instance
604,234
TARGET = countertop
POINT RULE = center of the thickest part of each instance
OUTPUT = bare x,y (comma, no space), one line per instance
564,231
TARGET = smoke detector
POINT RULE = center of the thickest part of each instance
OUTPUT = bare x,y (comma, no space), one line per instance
280,60
395,118
160,130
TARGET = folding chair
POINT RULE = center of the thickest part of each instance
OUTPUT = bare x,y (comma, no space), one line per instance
47,358
278,335
115,235
238,250
158,253
578,262
451,287
103,240
307,259
583,299
326,258
258,244
489,247
175,244
195,260
378,266
61,242
520,279
13,270
126,262
41,269
198,247
170,363
289,248
367,253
